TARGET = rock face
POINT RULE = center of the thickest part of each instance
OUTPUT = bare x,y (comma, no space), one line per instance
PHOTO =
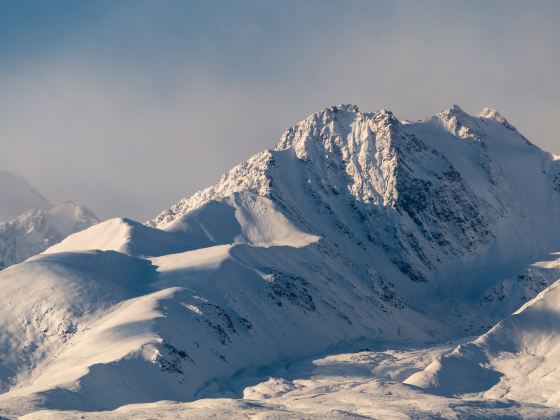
355,225
427,193
36,230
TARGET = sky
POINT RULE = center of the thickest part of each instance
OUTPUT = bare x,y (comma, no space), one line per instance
128,106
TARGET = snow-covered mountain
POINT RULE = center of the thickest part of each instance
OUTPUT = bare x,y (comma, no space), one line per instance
29,224
37,229
427,193
357,225
17,196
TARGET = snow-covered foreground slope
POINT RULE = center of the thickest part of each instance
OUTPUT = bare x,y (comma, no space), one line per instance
518,359
35,230
144,329
356,225
357,385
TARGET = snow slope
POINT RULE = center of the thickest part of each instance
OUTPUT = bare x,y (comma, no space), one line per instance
356,225
189,318
363,384
518,359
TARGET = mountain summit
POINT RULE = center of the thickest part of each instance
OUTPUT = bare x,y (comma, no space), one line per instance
355,225
427,193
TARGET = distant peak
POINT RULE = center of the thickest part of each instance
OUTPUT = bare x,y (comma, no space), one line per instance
340,108
384,114
69,203
461,124
353,109
492,114
347,107
453,110
456,108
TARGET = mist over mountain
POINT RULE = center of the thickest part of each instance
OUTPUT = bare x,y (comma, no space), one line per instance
18,196
29,224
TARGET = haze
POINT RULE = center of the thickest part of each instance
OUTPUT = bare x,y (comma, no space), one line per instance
128,106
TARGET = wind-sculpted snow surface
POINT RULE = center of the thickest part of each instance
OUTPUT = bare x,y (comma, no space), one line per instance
357,225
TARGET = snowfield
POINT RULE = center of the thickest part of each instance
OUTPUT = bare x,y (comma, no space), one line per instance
329,277
361,384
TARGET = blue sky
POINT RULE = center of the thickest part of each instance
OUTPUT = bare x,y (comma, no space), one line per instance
127,106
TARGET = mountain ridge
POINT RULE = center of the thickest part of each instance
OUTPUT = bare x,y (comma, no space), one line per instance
370,182
355,225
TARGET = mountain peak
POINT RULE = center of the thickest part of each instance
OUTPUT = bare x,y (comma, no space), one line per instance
453,111
331,126
461,124
340,107
492,114
385,115
37,229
